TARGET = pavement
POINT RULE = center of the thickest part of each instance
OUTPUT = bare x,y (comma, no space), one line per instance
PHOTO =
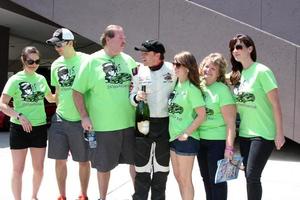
280,179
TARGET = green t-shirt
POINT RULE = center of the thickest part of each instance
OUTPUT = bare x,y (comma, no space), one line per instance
63,73
216,96
106,81
255,109
181,107
28,92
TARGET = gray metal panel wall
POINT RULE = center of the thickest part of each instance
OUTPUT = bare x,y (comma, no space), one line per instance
42,7
139,18
245,11
185,26
297,100
278,17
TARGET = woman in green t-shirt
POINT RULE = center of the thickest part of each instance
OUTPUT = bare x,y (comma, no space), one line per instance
257,99
186,111
217,132
28,119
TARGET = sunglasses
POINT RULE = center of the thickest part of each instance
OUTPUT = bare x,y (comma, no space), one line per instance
31,62
238,47
60,44
177,65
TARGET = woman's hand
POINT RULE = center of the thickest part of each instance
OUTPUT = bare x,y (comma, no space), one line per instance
27,126
279,141
228,153
183,137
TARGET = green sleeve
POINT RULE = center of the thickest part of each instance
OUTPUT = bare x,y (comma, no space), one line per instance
10,87
83,79
267,80
47,89
132,64
226,97
53,74
196,97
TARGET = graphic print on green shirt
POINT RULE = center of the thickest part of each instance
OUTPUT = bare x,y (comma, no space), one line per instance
257,119
106,81
174,107
63,73
66,76
216,96
113,74
181,107
28,92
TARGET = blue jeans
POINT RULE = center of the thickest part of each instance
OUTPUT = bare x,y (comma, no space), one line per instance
256,152
209,153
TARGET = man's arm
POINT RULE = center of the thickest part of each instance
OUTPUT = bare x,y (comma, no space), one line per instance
80,105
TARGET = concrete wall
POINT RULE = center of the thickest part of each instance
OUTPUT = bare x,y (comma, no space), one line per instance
297,100
181,25
278,17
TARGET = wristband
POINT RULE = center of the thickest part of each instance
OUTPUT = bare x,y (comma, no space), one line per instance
19,115
230,149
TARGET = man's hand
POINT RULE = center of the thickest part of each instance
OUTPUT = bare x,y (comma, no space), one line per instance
86,124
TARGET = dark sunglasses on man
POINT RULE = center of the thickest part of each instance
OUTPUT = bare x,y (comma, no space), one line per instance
60,44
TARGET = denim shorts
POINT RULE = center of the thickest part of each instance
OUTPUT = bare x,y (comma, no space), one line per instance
189,147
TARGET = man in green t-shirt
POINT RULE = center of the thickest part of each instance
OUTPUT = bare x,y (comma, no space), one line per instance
100,92
66,133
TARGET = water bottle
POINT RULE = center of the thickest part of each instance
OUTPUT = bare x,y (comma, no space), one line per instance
90,136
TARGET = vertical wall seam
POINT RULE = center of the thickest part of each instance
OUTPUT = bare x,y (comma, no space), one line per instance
53,10
261,8
295,96
158,22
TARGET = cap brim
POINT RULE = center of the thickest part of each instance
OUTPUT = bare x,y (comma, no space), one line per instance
141,49
53,40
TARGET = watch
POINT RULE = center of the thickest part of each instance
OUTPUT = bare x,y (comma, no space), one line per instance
19,115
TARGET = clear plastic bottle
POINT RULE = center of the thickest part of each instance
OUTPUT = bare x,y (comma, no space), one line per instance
90,136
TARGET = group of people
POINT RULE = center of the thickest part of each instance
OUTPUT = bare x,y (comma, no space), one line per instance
192,113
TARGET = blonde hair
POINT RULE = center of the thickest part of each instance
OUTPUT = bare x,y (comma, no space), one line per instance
216,59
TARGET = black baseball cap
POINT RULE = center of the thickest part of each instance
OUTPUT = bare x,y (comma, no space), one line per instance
151,45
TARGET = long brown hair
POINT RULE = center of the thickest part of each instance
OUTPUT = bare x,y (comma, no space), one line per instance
237,67
188,60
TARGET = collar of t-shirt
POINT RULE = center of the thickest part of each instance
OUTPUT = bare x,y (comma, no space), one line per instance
156,67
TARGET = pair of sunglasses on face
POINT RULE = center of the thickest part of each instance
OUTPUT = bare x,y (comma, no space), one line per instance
238,47
60,44
31,62
177,65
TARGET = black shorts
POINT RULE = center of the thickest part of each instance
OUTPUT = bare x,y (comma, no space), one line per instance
19,139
